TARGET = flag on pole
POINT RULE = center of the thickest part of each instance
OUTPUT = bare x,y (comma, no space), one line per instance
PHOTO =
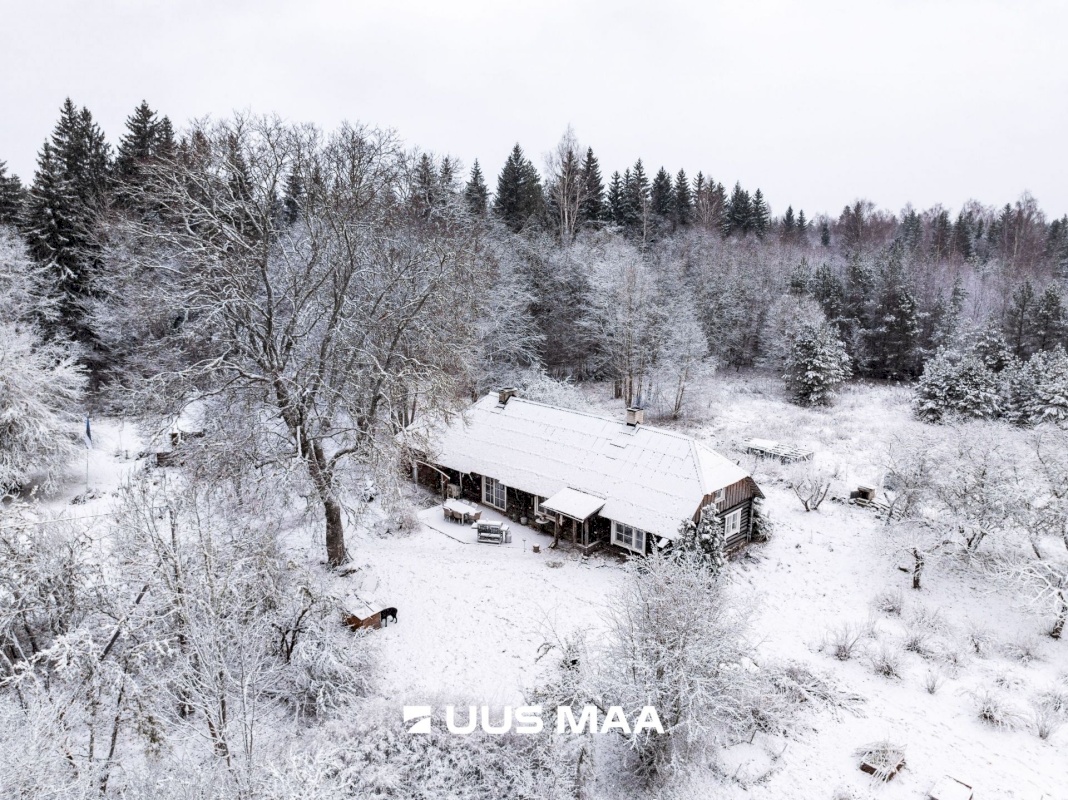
88,433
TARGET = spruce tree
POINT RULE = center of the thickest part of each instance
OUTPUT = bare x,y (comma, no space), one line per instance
447,178
476,195
911,231
956,384
802,227
12,196
759,215
519,195
661,195
1049,324
963,240
425,185
1019,322
616,200
682,211
293,197
592,208
825,234
636,184
992,349
827,290
165,143
789,225
738,214
57,236
138,146
816,364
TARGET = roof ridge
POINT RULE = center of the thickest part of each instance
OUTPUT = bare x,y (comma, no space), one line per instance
594,415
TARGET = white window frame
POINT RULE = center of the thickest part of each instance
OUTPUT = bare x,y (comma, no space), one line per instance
489,493
732,524
719,496
537,506
637,537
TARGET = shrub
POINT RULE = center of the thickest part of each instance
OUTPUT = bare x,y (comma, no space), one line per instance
918,642
956,384
1046,718
928,619
890,601
933,680
886,661
993,709
980,639
1025,649
842,641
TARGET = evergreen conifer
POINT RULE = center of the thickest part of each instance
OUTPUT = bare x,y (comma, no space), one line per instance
476,195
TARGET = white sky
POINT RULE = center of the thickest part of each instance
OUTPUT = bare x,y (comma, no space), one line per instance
815,102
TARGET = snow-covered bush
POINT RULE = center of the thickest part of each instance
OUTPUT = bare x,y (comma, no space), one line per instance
842,640
992,708
956,384
705,542
376,758
918,641
1046,718
933,680
886,660
1024,648
763,524
980,639
890,602
676,640
40,381
1036,390
816,364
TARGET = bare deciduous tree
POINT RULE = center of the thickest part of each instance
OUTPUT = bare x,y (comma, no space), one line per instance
296,272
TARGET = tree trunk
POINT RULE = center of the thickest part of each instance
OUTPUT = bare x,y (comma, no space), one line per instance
320,472
1062,616
335,533
917,567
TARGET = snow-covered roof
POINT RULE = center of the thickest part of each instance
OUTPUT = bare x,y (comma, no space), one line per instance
649,477
573,503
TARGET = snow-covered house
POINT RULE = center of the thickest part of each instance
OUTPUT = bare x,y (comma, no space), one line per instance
594,479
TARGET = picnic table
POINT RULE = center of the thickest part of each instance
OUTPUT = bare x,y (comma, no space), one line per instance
459,511
493,532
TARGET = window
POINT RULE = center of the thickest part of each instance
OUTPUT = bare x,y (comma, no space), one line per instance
628,537
720,494
494,493
537,506
732,524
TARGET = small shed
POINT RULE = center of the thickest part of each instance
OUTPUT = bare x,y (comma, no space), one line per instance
358,613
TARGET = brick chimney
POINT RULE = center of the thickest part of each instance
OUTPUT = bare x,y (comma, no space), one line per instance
503,395
635,416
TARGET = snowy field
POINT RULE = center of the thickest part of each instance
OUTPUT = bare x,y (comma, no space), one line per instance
472,617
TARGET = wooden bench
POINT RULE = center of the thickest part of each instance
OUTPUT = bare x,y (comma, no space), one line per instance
492,532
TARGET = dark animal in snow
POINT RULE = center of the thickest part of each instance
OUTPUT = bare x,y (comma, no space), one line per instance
387,613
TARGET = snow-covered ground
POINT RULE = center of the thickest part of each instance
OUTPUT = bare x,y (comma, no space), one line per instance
472,617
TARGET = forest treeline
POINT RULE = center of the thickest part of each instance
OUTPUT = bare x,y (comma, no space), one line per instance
896,287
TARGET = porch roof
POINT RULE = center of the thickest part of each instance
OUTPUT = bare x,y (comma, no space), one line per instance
575,504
